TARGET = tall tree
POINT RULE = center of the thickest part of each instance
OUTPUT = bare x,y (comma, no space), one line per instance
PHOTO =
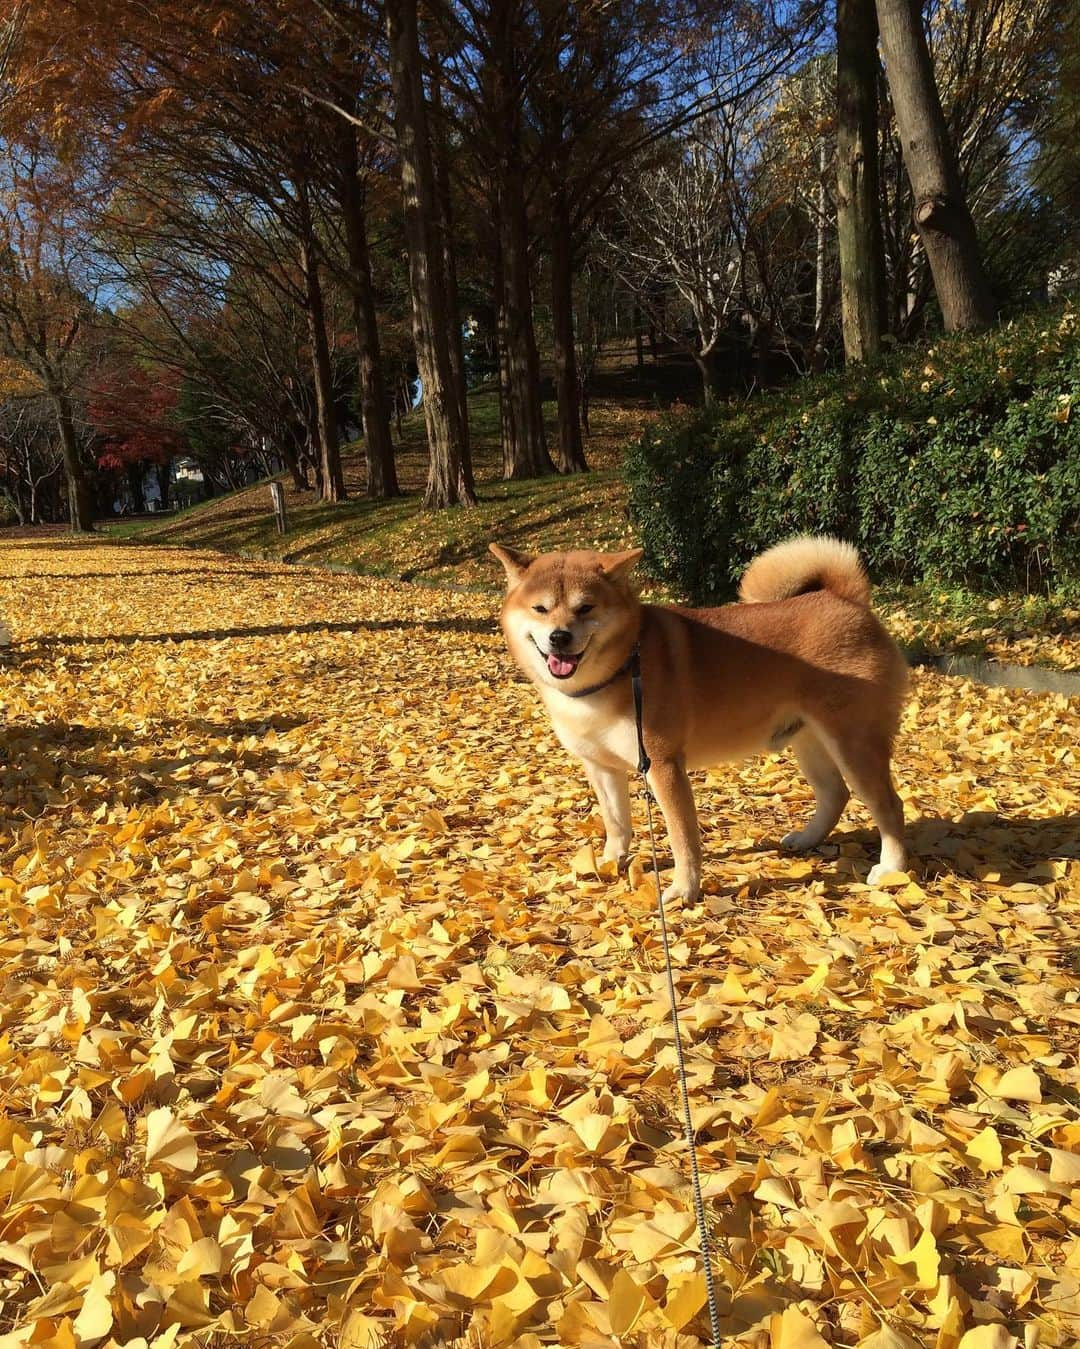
942,218
490,90
132,409
331,474
448,483
677,246
46,314
858,211
200,123
440,155
31,462
374,404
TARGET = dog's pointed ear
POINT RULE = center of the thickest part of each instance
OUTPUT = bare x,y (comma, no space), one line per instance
617,566
515,563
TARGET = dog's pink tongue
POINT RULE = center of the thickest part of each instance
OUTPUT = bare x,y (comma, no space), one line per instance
560,668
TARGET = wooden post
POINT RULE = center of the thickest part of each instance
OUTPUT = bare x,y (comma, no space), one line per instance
277,492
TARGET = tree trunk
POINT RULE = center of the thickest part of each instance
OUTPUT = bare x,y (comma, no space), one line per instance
80,493
821,248
25,490
941,213
431,321
639,345
374,406
332,479
164,483
17,497
821,253
135,474
858,212
445,223
290,454
507,423
530,454
402,401
571,451
530,458
708,368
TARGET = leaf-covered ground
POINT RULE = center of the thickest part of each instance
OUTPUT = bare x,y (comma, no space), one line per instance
1015,628
319,1028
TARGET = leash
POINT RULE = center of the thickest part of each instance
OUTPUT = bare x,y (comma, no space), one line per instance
643,766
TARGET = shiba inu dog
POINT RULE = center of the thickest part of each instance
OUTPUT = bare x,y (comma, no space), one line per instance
801,660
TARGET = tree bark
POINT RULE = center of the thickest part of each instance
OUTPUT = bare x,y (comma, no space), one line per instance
567,390
80,493
290,454
709,370
507,422
941,212
402,405
442,414
374,406
639,345
164,482
858,211
332,478
135,474
445,222
529,456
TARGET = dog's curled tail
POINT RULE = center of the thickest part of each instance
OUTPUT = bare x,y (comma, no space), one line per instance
807,562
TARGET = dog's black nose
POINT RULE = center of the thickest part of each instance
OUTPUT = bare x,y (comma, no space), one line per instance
558,638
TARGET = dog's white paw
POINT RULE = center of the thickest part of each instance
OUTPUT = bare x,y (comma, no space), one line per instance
879,870
618,856
681,889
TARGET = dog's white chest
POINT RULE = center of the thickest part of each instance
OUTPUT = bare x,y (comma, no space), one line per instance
591,731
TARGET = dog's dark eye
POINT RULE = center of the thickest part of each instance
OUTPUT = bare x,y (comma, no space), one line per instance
583,609
539,608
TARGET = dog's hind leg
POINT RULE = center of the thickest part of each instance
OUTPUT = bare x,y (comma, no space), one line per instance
830,789
863,758
612,788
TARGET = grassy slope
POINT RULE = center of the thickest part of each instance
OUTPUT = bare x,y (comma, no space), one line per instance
400,539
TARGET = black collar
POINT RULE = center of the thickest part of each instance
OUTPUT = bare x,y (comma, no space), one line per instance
628,666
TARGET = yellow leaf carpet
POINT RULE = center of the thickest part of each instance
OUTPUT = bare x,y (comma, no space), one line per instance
319,1025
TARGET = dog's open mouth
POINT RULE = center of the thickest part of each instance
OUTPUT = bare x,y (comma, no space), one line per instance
562,667
561,664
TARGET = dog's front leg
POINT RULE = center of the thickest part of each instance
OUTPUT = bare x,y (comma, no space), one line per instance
612,788
671,787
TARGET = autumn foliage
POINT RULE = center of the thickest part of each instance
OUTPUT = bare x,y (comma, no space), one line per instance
322,1026
133,413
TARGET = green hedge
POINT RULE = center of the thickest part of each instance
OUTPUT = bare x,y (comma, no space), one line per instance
958,462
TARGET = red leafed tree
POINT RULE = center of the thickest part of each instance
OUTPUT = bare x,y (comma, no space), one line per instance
133,413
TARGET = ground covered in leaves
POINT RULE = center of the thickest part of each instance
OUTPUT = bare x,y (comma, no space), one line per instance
319,1026
1016,629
